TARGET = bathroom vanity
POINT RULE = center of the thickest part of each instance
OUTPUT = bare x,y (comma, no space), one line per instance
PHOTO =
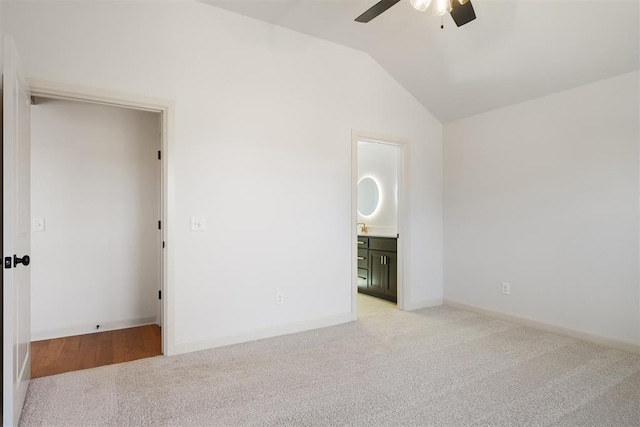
378,267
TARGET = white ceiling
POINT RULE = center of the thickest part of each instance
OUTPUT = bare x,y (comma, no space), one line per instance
515,51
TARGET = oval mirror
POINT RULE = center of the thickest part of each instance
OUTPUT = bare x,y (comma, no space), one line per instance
368,196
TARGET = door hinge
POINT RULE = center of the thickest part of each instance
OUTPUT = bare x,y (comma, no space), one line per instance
159,225
7,262
159,155
159,294
162,244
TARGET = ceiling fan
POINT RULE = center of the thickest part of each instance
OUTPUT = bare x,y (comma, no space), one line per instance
461,10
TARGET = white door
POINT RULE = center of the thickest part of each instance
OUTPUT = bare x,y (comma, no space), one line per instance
16,176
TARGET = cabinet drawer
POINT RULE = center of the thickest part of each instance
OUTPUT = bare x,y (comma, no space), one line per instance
383,244
363,258
363,277
363,242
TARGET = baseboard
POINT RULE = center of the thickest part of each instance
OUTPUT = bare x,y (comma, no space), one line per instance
616,343
91,328
417,305
274,331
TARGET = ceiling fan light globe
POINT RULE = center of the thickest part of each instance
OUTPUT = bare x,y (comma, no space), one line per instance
420,5
441,7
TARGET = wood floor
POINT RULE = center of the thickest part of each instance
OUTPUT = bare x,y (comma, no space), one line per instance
55,356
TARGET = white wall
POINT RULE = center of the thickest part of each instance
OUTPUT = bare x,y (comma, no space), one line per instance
95,181
2,43
380,162
544,195
261,149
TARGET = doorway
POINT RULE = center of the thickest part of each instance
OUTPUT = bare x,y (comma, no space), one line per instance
96,209
378,179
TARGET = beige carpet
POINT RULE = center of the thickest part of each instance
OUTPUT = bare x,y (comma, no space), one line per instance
440,366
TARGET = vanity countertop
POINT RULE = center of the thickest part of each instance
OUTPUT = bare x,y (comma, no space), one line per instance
379,234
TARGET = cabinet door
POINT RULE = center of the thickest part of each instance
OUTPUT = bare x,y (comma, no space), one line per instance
391,273
377,272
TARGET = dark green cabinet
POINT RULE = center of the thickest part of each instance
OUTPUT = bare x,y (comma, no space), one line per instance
363,267
391,265
378,267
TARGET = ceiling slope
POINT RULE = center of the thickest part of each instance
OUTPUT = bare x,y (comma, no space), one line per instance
515,51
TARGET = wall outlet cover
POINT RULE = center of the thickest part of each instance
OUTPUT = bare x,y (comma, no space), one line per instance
198,223
506,288
38,224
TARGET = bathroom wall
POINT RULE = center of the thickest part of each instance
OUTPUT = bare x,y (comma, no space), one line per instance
380,162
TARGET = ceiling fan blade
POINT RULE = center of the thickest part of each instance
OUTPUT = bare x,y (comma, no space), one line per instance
462,13
376,10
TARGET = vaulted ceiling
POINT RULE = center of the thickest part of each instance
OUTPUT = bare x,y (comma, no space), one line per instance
515,51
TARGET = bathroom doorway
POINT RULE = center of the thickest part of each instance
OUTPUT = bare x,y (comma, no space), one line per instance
378,187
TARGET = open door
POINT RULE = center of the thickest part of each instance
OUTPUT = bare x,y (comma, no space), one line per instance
16,237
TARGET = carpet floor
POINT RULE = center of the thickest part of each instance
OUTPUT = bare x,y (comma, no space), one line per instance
439,366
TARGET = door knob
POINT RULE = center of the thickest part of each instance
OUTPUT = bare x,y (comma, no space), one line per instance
24,260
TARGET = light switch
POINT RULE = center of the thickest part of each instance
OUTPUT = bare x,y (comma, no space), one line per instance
198,223
38,224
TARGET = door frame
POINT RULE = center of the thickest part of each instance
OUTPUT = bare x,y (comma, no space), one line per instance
165,108
403,146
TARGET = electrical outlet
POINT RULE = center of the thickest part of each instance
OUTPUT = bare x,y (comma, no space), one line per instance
506,288
279,298
38,224
198,224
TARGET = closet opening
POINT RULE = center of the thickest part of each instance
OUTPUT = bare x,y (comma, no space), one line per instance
97,211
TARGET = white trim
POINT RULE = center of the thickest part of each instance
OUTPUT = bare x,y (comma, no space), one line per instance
354,225
72,92
617,343
91,328
269,332
404,294
166,109
417,305
638,271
